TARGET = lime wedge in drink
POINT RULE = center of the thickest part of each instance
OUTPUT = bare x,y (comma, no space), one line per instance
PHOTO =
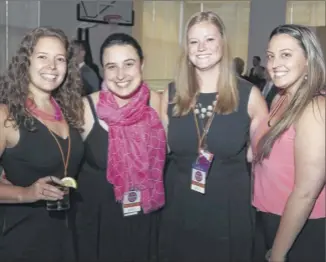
69,182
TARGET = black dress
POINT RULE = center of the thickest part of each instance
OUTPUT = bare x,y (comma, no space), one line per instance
104,235
28,231
216,226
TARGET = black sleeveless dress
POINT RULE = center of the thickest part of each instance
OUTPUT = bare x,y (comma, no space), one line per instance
216,226
104,235
28,231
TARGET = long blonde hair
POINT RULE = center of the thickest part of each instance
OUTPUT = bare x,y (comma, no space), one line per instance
313,85
186,83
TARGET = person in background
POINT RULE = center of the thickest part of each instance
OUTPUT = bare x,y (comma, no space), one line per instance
41,115
257,73
121,184
208,215
289,150
238,65
269,91
91,81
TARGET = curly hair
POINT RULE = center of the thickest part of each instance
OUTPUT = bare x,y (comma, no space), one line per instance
15,80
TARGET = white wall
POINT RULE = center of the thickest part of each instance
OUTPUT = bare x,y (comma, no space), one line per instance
265,15
59,14
20,24
3,40
16,18
25,15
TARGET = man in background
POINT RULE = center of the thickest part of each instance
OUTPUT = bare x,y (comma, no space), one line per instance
90,80
269,91
238,66
257,73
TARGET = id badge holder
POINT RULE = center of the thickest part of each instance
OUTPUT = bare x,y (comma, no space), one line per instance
131,203
200,171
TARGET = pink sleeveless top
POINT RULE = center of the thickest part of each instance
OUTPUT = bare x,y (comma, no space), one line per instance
274,177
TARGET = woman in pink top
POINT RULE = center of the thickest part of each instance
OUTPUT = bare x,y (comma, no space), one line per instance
289,150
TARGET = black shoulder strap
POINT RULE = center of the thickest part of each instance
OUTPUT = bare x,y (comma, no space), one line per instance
171,90
149,100
92,106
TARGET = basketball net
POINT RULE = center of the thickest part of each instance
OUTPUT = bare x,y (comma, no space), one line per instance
85,25
111,21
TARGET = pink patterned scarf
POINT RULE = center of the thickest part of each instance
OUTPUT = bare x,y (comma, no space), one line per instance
137,147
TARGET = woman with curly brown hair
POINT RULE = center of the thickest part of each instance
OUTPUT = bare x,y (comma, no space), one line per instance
41,114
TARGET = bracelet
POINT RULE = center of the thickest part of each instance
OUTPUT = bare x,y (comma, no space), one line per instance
268,255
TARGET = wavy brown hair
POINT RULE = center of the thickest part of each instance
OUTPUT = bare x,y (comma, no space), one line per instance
187,88
313,85
15,80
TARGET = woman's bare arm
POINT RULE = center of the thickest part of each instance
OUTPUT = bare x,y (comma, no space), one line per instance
10,193
257,110
310,177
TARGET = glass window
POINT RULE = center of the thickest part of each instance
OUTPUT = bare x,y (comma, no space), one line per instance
308,13
160,41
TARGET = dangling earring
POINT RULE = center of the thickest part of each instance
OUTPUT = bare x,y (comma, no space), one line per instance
305,77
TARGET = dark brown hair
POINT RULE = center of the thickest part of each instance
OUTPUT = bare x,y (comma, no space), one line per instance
15,80
121,39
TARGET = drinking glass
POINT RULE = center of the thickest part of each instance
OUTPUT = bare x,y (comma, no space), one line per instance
61,204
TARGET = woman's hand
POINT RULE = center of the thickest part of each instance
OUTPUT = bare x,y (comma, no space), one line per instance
276,259
42,190
3,178
272,257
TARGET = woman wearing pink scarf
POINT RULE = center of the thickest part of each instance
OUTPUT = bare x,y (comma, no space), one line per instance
121,181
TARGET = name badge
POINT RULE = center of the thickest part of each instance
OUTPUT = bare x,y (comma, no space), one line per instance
198,179
131,203
205,159
200,171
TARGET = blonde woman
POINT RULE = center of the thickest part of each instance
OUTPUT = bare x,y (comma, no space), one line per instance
208,216
289,149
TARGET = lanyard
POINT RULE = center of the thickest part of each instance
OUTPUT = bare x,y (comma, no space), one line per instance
65,161
202,143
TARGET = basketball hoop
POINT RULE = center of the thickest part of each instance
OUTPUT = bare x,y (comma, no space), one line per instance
85,25
112,21
105,12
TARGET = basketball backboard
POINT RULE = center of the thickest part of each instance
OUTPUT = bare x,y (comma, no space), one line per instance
106,12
